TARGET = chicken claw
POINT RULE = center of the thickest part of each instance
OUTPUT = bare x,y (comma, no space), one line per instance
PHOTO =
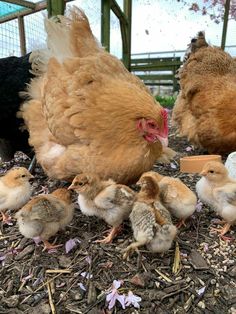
112,234
130,249
181,223
49,246
223,231
6,219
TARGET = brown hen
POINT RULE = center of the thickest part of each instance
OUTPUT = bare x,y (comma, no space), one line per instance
205,109
87,113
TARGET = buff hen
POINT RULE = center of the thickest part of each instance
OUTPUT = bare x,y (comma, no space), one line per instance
87,113
205,108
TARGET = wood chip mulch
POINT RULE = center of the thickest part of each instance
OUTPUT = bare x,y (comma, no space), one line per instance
38,282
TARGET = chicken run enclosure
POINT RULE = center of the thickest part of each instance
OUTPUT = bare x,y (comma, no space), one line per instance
100,122
125,28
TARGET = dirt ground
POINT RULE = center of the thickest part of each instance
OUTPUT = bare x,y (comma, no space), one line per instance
38,282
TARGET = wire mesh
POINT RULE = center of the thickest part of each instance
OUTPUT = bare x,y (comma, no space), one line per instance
34,31
9,38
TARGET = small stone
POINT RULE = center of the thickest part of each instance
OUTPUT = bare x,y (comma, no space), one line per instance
213,281
138,280
201,304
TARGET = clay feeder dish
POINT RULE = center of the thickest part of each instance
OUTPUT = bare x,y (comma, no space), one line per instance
194,164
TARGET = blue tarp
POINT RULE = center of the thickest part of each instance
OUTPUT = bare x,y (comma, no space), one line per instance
9,8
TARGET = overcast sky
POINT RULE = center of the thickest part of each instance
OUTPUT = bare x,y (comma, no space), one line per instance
163,25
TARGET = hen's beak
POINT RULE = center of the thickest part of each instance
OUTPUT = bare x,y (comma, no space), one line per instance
163,140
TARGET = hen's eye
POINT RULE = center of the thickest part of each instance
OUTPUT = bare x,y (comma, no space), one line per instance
23,176
80,183
152,125
211,171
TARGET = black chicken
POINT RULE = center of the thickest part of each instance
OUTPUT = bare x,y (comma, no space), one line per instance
14,75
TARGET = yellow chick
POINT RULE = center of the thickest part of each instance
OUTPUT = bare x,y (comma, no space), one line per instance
218,190
45,215
175,196
15,190
151,222
105,199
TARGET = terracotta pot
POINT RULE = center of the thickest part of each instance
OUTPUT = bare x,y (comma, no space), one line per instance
194,164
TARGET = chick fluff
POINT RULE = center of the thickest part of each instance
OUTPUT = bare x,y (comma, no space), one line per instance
151,222
105,199
218,190
45,215
175,196
15,189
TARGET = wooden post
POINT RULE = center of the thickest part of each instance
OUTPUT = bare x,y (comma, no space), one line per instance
21,27
55,7
105,23
127,43
225,24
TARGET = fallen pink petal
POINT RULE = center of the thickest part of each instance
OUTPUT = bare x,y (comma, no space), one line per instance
132,299
199,206
113,296
70,244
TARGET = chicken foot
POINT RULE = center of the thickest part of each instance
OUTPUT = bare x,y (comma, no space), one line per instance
181,223
113,232
49,246
223,231
6,219
131,248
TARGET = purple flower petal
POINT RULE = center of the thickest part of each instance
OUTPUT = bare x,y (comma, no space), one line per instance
2,258
199,206
116,284
121,299
111,299
201,291
132,299
82,287
88,260
70,244
173,166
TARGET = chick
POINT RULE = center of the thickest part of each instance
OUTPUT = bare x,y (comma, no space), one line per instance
44,215
175,196
151,221
105,199
15,190
218,190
